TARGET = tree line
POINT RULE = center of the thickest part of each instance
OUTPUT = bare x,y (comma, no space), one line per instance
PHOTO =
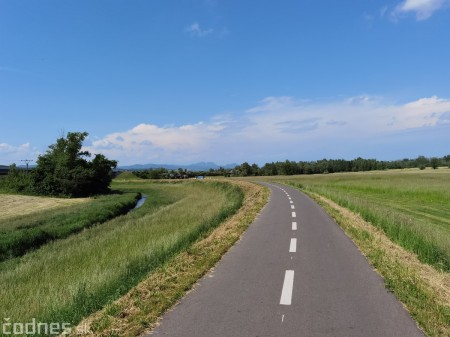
302,167
335,165
65,170
163,173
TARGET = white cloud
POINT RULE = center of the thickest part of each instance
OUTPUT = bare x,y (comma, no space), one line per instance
195,30
278,126
7,148
14,154
360,119
148,142
423,9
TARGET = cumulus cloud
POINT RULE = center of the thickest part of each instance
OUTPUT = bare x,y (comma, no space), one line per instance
196,31
15,153
7,148
148,142
277,126
423,9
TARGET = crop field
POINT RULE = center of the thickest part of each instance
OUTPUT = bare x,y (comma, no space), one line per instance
67,279
410,206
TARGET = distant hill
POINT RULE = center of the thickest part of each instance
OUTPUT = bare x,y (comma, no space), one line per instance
127,176
202,166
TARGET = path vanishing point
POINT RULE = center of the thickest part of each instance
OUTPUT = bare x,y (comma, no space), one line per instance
294,273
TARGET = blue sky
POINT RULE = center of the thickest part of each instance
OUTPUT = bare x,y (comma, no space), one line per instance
156,81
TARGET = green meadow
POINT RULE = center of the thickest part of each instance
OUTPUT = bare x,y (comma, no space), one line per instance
21,233
69,278
411,206
87,265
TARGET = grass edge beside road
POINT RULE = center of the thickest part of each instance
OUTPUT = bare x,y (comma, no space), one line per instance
424,291
138,311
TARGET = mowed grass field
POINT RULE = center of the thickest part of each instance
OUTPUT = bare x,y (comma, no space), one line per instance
67,279
13,205
411,206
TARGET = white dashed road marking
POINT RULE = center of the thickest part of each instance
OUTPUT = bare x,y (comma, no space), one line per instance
286,293
293,246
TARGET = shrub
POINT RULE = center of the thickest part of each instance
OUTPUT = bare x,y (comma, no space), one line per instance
63,169
17,180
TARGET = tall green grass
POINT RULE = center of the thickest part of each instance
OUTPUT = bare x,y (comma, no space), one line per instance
412,207
70,278
22,234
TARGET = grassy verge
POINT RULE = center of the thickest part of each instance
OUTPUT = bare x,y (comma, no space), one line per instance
140,308
70,278
401,221
23,233
423,290
411,207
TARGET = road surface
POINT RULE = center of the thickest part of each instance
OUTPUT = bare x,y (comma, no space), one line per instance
294,273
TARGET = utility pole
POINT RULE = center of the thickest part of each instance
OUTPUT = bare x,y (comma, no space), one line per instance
27,161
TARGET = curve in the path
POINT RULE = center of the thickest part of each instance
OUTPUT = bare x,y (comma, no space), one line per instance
294,273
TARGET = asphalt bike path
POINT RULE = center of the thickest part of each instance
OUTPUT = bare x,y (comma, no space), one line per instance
293,273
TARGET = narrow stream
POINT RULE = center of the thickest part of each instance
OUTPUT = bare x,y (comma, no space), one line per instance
141,201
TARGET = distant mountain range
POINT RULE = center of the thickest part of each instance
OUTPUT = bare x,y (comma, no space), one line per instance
202,166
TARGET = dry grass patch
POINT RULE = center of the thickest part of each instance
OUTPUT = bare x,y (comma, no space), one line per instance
424,291
15,205
138,311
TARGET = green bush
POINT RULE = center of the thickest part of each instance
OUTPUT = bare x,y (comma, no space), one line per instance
17,181
63,169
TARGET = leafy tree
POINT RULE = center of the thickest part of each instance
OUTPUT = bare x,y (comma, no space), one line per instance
434,163
17,180
63,169
422,161
246,169
269,169
255,170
